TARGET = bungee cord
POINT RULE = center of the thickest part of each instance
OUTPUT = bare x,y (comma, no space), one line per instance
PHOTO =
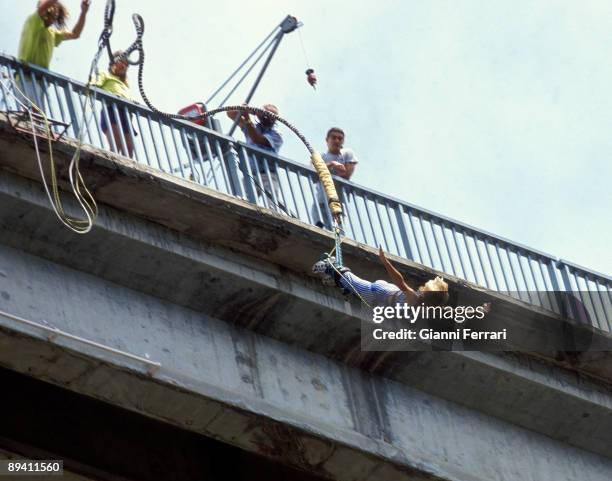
317,161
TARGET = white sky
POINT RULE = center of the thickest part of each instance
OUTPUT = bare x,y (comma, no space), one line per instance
494,113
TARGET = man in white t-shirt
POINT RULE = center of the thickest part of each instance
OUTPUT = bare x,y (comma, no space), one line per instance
340,162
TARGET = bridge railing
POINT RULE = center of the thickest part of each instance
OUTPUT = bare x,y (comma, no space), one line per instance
206,156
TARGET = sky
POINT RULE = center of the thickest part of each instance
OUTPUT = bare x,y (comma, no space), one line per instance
497,114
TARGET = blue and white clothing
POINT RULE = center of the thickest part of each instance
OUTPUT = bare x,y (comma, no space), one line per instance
379,293
346,156
274,139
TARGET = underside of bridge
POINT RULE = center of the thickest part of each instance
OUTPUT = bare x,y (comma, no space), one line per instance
101,441
261,373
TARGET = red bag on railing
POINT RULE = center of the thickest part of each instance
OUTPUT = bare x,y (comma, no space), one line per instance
193,111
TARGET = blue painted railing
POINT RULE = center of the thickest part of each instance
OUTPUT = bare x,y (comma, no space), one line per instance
208,157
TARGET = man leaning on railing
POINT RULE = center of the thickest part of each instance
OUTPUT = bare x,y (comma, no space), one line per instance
340,162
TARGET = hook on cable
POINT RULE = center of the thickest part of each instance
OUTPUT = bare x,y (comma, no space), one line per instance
311,78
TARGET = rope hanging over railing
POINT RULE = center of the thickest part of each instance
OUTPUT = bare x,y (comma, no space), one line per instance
84,226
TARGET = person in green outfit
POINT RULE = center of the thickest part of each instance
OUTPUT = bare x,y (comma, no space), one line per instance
46,28
115,82
42,31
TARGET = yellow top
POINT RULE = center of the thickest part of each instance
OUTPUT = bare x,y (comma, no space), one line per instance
113,84
38,41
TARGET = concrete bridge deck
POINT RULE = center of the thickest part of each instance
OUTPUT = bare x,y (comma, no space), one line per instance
257,354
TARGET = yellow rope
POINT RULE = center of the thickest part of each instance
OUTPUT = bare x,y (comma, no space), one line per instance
328,185
79,188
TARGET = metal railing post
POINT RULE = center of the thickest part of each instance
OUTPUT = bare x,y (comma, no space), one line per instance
480,254
244,167
74,120
232,163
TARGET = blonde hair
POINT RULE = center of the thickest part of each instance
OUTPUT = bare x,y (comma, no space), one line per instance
435,291
434,285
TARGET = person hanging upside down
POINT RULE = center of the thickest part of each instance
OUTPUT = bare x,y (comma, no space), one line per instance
381,293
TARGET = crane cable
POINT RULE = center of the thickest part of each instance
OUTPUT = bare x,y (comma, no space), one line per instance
241,66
